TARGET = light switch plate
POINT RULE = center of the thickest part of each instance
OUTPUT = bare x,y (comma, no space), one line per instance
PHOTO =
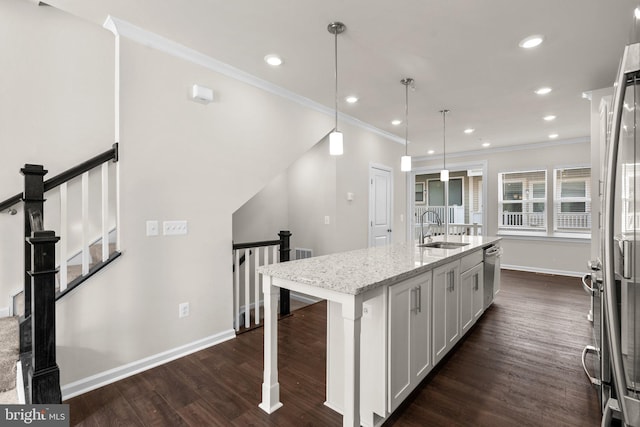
174,228
152,228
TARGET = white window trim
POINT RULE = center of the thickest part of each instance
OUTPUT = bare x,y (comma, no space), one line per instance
516,229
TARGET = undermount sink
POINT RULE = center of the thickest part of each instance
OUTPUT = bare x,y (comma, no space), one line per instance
442,245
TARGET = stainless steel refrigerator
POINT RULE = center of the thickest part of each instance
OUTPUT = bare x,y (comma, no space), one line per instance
621,244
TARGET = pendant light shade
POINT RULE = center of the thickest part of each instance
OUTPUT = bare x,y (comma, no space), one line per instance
405,161
335,137
335,143
444,173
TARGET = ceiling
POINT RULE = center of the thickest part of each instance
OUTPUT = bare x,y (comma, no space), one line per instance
463,55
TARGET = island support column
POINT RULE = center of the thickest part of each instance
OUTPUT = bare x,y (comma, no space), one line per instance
270,386
351,315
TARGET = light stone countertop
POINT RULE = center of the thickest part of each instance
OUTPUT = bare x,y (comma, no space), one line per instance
358,271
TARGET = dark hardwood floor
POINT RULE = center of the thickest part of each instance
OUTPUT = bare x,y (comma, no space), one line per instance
519,366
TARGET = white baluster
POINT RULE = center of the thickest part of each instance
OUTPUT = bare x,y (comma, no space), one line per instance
256,286
64,255
105,211
85,223
247,288
236,290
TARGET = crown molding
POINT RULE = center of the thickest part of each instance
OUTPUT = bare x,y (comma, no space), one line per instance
121,28
520,147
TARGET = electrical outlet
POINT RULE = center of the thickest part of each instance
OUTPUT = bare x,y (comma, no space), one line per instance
152,228
173,228
327,220
183,309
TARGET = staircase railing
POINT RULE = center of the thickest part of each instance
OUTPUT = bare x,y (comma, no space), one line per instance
37,324
246,258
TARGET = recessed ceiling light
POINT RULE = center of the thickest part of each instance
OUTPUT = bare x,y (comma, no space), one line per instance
396,122
531,41
549,117
351,99
430,152
543,91
273,60
469,130
553,135
486,144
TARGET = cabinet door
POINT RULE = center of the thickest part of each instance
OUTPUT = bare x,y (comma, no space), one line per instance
409,340
439,312
467,284
478,293
471,296
453,306
420,330
446,322
401,302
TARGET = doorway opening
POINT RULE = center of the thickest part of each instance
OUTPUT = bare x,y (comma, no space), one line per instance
467,199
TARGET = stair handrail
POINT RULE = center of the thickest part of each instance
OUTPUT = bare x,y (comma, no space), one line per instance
67,175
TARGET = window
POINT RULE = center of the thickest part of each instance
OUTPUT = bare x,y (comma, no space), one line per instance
572,200
419,199
522,201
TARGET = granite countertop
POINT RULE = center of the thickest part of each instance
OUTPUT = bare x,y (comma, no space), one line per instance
358,271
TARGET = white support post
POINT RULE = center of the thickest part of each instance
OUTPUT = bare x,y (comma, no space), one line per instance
270,386
85,224
274,252
351,316
64,235
105,211
247,288
256,287
236,288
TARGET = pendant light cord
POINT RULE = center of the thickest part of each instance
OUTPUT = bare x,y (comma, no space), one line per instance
444,138
336,74
406,118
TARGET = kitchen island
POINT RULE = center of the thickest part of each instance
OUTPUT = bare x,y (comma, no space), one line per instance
402,306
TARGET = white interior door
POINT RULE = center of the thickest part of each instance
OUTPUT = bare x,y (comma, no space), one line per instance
380,202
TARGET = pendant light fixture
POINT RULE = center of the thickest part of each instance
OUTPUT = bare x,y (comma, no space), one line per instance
444,173
405,161
335,137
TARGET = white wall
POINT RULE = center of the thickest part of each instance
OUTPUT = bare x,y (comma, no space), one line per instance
56,107
316,186
552,255
179,160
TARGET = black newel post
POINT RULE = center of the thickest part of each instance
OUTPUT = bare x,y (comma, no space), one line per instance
44,374
285,249
33,197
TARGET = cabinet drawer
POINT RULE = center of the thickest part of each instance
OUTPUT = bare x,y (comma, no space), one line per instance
471,260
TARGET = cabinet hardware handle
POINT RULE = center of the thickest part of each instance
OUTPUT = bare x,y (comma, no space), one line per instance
413,300
419,294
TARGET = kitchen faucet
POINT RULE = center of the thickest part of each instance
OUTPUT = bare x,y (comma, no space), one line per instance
429,228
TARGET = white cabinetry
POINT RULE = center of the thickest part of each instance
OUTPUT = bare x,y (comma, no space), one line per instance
471,296
409,340
446,309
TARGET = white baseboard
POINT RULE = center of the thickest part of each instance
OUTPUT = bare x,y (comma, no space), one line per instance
543,270
5,311
99,380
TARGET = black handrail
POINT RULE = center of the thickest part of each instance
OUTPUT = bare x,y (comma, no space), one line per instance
68,175
237,246
83,167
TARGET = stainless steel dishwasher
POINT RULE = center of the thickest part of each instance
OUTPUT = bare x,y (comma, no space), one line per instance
491,273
